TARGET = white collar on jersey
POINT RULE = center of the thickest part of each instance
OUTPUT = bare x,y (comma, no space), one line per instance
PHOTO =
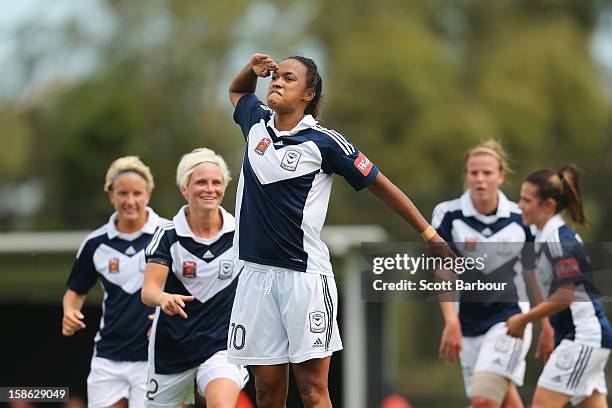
182,227
503,208
149,227
306,123
553,224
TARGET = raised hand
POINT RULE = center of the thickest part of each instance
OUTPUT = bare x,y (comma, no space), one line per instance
262,65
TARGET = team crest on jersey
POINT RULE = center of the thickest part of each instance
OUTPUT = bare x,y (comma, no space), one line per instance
113,265
363,164
226,268
189,269
470,244
317,322
290,160
262,146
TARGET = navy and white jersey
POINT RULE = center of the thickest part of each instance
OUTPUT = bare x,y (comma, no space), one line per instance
206,268
284,188
561,259
458,222
117,260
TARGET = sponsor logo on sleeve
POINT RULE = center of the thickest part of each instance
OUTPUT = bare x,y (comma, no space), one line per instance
317,322
226,268
567,268
189,269
113,265
290,160
262,146
363,164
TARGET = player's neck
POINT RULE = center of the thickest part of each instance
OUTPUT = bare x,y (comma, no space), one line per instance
287,120
542,222
204,223
130,226
486,207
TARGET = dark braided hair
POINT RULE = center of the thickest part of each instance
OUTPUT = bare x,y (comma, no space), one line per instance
314,81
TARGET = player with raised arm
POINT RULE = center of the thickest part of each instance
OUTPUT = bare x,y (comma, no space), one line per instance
286,304
583,337
191,278
114,254
492,362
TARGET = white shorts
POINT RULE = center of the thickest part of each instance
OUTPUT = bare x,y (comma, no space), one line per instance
172,390
575,369
281,316
495,352
109,381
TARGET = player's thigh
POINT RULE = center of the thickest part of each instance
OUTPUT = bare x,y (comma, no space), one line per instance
256,334
170,390
272,379
309,306
597,400
218,367
313,372
106,383
221,392
545,398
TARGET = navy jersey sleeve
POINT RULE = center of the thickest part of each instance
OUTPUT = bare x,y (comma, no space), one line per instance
528,254
249,111
341,157
565,266
83,274
440,222
158,250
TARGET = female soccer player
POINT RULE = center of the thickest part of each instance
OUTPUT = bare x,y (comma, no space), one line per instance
492,362
191,277
114,253
286,304
583,337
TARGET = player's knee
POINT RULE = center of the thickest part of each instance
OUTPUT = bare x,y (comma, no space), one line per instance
270,395
313,393
488,390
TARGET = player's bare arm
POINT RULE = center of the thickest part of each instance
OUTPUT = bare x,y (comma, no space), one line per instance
559,300
260,65
73,318
152,294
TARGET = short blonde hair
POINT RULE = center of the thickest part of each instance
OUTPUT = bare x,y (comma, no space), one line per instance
191,160
128,164
493,148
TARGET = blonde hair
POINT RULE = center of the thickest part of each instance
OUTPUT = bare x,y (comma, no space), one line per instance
128,164
493,148
191,160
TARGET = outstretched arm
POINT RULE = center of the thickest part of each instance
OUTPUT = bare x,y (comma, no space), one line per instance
395,199
559,300
245,81
152,294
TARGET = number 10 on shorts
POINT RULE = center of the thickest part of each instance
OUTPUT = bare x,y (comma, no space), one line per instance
237,336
